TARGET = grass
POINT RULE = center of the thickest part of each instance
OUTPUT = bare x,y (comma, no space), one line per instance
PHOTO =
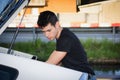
39,48
104,49
95,49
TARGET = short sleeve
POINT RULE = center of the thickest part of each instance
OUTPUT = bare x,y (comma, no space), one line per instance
64,44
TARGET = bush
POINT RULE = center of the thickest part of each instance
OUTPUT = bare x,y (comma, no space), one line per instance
95,49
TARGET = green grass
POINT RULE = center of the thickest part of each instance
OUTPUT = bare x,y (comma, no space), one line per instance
104,49
39,48
95,49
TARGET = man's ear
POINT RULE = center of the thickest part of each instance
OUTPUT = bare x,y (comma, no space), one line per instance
57,25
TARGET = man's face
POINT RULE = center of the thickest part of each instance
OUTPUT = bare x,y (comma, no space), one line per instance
50,31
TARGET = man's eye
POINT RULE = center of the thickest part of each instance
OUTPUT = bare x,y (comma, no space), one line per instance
47,31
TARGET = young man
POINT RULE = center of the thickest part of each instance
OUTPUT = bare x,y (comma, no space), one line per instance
69,51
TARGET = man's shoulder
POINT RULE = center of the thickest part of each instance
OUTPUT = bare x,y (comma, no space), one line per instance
66,31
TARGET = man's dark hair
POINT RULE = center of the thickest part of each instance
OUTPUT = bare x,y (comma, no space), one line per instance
45,18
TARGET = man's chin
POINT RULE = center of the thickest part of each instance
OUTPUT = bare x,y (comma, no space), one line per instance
50,39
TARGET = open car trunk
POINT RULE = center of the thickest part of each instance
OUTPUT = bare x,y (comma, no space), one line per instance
13,67
9,10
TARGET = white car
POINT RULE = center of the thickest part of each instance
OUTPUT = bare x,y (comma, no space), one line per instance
21,66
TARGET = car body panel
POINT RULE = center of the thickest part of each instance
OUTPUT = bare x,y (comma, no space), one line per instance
30,69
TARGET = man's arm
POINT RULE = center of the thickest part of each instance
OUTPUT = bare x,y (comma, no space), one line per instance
56,57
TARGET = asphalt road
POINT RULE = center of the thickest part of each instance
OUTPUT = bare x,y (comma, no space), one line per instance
31,34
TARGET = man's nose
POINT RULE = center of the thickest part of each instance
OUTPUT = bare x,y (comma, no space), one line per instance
46,34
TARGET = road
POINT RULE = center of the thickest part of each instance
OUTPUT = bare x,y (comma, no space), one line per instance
83,34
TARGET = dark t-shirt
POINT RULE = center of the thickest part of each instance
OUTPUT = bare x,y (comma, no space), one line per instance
76,56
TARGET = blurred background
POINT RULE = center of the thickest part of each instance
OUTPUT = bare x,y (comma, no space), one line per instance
95,22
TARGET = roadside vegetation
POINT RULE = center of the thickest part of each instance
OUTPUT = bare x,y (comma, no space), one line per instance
95,49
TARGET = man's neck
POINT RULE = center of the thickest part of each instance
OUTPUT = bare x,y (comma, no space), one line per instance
59,32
